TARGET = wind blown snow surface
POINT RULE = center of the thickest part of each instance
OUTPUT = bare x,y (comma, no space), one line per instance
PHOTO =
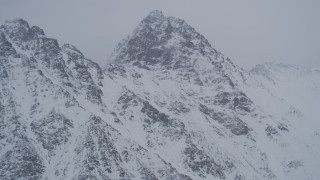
169,106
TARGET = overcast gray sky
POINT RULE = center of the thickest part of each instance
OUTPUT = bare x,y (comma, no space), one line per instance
247,31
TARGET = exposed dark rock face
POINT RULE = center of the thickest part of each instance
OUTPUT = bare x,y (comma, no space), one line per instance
21,161
179,107
238,101
87,73
36,32
6,48
17,30
102,157
235,124
52,130
201,163
283,127
149,45
128,99
173,128
294,164
154,114
19,158
116,69
154,121
271,131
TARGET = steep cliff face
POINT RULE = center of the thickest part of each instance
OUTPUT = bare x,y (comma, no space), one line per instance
169,106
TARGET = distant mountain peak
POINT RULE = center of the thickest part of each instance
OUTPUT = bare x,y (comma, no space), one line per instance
18,21
156,14
163,41
20,31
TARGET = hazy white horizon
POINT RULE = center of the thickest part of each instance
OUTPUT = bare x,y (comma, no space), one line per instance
249,32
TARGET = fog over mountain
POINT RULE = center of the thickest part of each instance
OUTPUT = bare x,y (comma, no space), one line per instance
249,32
166,103
169,105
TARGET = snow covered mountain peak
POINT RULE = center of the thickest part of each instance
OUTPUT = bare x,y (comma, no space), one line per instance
155,14
165,42
169,107
19,30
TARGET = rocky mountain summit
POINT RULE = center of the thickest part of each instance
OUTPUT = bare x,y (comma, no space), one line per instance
169,106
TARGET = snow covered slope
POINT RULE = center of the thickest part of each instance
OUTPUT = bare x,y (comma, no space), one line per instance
169,106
